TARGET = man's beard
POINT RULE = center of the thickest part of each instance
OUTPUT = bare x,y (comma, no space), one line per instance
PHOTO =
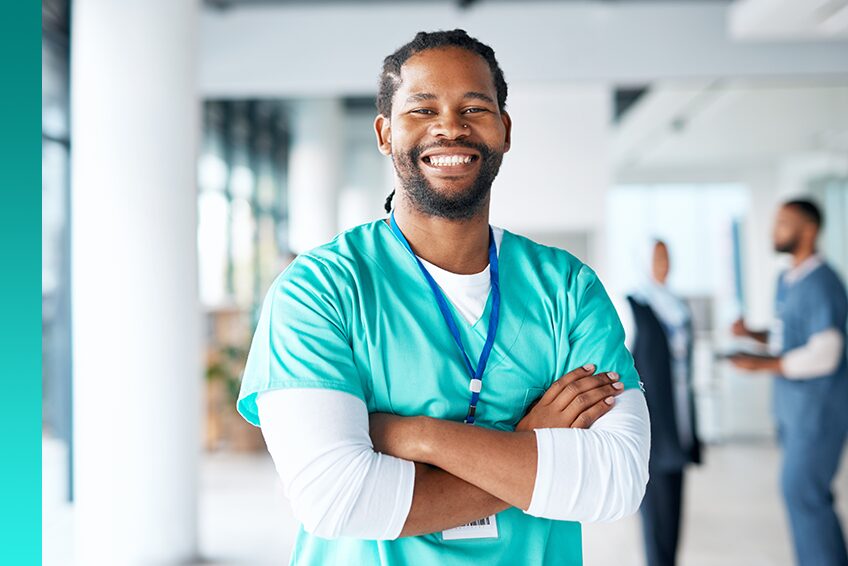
787,247
429,200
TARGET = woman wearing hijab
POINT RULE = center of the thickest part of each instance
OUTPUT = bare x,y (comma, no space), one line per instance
662,350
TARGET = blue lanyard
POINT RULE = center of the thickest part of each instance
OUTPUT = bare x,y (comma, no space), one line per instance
476,384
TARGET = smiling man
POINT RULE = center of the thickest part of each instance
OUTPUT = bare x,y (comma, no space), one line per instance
428,384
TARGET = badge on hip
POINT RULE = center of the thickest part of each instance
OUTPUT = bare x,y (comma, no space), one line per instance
487,527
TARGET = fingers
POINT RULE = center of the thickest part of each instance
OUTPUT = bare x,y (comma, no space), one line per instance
583,401
738,328
557,386
576,390
580,395
579,373
588,417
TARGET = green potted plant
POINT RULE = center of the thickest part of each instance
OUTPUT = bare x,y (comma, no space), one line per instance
224,426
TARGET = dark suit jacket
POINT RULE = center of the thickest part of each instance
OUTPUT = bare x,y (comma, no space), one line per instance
652,356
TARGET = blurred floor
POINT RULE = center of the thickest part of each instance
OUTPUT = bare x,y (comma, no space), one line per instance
244,518
734,516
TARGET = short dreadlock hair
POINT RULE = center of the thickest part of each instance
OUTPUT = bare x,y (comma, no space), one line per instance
390,76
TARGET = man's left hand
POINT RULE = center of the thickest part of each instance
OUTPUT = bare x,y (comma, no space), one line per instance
754,363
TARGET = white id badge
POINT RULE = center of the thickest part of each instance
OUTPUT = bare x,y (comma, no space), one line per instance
487,527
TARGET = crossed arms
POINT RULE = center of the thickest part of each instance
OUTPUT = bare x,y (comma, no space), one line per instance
383,476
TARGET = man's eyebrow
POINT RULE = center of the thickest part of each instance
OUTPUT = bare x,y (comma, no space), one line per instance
479,96
421,96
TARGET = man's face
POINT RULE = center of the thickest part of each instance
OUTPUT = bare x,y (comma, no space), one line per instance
788,227
446,135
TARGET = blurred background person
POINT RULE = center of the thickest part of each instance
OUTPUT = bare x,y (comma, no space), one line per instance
807,343
661,344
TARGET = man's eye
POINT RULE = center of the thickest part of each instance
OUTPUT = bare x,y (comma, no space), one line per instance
424,111
474,110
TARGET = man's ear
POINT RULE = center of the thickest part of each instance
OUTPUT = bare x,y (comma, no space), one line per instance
507,122
383,129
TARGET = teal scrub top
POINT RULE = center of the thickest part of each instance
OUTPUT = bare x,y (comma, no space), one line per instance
356,315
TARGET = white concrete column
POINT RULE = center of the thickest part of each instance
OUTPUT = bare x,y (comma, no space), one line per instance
760,263
136,331
315,162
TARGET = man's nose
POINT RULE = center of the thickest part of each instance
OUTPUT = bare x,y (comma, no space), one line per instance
450,126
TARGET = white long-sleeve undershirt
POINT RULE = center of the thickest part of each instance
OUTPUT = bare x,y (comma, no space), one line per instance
596,474
339,486
820,356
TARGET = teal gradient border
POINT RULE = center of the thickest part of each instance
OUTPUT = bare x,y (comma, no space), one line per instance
20,281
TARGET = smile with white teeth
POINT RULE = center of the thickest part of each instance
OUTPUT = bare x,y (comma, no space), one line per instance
448,160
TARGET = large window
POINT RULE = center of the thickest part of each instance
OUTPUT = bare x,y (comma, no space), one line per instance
242,245
55,167
55,227
242,214
697,221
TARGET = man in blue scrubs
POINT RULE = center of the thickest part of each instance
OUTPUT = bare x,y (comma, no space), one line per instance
811,387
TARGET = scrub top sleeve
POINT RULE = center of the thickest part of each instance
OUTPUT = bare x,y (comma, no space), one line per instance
821,310
301,339
595,333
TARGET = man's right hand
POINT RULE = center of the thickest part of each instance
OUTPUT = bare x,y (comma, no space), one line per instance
739,328
576,400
